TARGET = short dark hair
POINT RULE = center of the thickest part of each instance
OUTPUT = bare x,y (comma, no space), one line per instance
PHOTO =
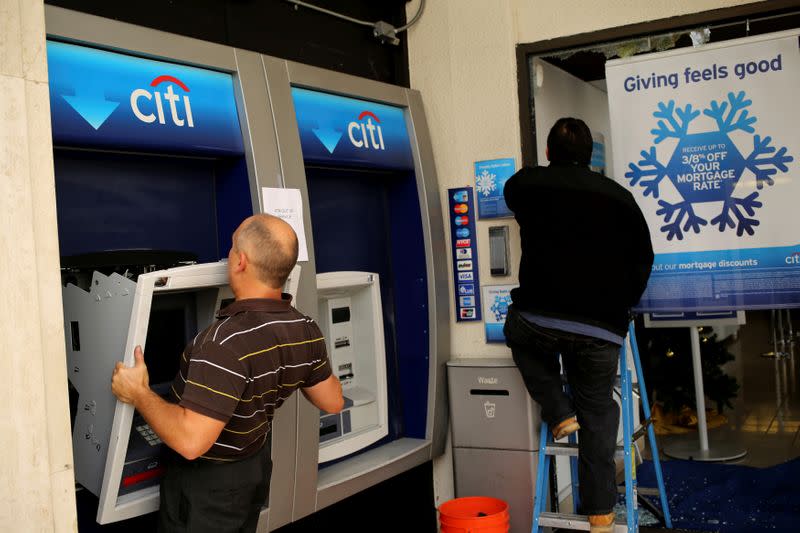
569,141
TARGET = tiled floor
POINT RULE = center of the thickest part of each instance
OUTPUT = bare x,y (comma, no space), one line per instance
766,415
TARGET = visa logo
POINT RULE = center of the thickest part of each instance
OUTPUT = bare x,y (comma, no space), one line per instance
466,276
151,114
357,131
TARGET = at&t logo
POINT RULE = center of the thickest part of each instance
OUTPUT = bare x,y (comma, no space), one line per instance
153,110
363,134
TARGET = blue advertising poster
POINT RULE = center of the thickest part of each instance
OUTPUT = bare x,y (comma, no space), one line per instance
349,131
465,254
490,178
706,140
109,100
496,299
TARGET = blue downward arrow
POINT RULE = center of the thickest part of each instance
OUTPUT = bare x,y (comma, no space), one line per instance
92,105
328,137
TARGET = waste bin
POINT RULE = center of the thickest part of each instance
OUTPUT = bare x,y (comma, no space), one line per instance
495,435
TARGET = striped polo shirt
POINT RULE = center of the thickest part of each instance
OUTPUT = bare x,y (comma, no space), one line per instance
245,365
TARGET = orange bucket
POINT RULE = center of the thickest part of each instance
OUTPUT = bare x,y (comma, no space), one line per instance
475,514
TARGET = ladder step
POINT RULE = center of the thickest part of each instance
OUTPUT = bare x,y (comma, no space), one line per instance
643,491
634,386
571,450
563,520
572,521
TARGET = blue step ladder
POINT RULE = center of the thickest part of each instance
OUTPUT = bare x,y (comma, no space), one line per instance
549,449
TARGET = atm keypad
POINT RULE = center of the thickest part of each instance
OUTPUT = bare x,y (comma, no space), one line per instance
148,434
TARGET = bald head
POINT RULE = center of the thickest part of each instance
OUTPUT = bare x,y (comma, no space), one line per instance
270,245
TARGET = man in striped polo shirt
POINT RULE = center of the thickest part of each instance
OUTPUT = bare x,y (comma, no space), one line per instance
232,378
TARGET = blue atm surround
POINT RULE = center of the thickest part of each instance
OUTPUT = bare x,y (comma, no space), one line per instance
366,216
370,222
175,180
111,201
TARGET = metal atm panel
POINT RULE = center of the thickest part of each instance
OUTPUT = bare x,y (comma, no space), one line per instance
130,470
124,473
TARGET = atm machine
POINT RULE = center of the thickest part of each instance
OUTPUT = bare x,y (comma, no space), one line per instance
350,318
166,143
152,177
359,152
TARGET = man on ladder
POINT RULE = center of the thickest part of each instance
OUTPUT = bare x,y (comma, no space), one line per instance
586,258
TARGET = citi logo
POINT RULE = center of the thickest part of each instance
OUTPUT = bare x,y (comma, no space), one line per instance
793,259
358,132
152,110
487,381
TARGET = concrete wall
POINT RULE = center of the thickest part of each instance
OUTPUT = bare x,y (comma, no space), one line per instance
462,59
37,489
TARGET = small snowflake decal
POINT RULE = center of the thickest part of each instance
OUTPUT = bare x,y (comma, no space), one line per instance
706,167
486,183
500,307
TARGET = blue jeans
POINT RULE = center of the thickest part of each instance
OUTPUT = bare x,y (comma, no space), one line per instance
590,366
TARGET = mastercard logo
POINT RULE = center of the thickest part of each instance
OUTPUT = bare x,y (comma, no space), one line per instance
462,220
460,209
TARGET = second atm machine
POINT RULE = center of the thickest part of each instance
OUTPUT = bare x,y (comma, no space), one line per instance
165,143
359,151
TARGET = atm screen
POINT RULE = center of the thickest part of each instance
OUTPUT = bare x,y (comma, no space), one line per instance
340,314
172,324
166,339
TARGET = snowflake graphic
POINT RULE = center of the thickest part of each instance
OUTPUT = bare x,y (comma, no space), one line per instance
705,167
486,183
500,307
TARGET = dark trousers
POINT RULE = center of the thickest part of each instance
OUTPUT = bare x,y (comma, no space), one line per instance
220,497
591,367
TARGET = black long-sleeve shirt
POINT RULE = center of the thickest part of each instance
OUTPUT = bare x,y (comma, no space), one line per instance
586,250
